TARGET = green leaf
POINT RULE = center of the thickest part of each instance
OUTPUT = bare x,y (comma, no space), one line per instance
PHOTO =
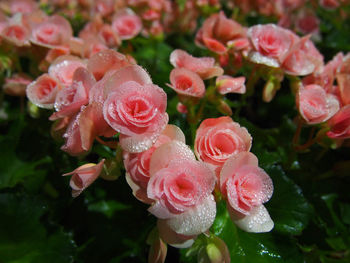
252,247
24,239
108,208
288,208
13,170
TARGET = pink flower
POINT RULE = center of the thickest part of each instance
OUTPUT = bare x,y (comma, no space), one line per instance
302,59
186,82
17,84
270,44
181,108
63,68
22,6
246,187
227,84
181,189
16,31
340,124
307,22
329,4
55,31
42,92
137,165
84,176
204,67
70,99
315,105
218,139
135,107
343,80
127,24
217,31
106,60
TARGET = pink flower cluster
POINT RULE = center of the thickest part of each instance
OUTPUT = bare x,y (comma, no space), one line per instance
325,96
102,96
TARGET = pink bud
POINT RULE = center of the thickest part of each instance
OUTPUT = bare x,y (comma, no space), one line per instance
84,176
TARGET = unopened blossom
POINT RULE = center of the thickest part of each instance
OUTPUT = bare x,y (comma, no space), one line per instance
84,176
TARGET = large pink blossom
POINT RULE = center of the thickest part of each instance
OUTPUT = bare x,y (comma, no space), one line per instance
270,44
137,165
181,189
135,107
53,32
315,105
218,139
246,187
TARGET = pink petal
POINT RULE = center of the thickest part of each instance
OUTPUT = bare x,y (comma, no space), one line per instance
227,84
168,152
196,220
104,61
258,220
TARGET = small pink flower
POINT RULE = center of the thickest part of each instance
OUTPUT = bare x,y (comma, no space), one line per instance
17,84
227,84
307,22
137,165
42,92
217,31
270,44
108,36
204,67
218,139
181,108
315,105
16,31
246,187
329,4
56,31
186,82
63,68
135,107
340,124
127,24
84,176
22,6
